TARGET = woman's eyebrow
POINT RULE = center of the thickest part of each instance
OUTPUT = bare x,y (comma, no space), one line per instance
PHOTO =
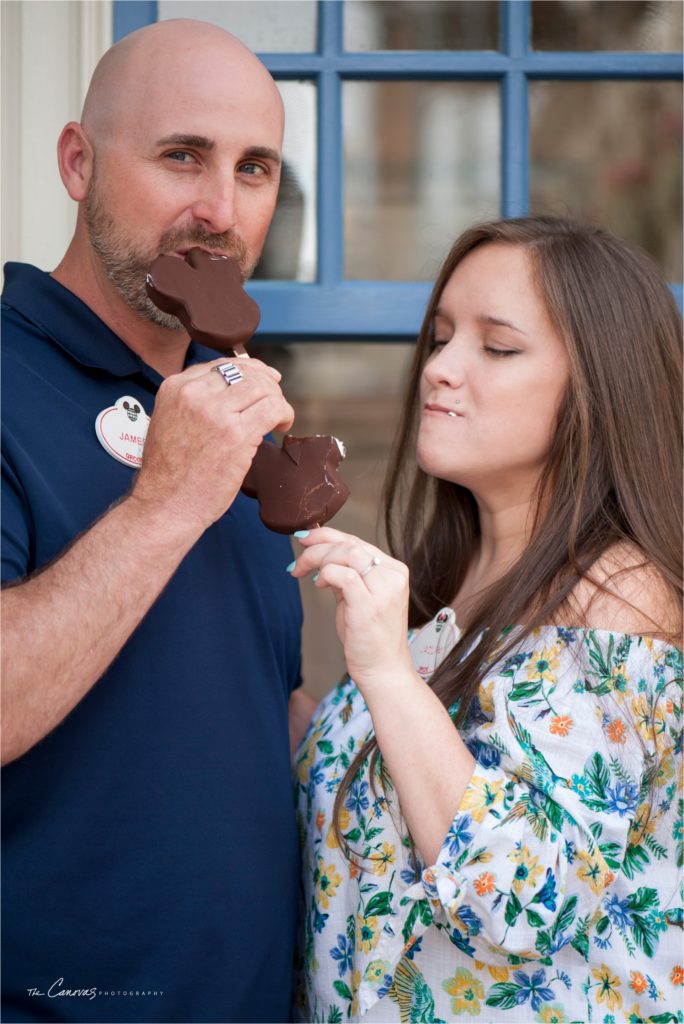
496,321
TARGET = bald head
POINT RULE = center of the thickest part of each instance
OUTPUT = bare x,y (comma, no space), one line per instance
171,63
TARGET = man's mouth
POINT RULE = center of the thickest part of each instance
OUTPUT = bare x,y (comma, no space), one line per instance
182,253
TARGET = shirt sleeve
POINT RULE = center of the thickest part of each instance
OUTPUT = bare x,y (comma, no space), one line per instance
569,732
16,536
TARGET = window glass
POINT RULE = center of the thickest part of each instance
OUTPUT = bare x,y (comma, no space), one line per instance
266,27
353,391
421,162
421,25
607,25
290,249
619,167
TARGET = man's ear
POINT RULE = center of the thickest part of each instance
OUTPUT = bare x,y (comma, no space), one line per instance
75,159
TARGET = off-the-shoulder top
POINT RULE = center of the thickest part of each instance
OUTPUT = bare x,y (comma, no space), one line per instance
556,895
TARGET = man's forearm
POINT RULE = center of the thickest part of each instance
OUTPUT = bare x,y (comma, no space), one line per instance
63,627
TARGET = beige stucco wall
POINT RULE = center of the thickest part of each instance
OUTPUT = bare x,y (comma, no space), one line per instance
49,51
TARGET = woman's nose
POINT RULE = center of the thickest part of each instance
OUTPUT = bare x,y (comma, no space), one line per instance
445,367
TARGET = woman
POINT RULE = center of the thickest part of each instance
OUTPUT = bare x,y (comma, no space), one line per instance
522,866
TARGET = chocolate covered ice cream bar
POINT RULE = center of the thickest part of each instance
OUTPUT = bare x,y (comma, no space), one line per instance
298,486
205,292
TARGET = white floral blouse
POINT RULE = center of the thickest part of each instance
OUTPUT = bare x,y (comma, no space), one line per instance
556,894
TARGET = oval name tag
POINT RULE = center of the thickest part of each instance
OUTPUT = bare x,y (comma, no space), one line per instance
433,642
121,430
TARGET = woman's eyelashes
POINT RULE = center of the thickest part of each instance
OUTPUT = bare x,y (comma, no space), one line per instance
493,351
500,353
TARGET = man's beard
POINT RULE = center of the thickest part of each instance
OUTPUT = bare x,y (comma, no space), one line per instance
127,266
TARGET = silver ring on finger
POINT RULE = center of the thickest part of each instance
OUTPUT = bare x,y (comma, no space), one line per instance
375,560
230,373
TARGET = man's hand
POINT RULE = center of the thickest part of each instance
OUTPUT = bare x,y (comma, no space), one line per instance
202,438
82,608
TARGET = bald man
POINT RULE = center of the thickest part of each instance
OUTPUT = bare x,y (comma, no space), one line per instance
151,633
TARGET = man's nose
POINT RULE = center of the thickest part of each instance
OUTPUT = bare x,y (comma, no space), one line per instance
215,207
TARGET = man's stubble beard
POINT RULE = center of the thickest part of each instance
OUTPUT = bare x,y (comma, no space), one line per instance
127,266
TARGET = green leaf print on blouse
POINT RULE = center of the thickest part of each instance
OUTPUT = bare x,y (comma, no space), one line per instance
413,995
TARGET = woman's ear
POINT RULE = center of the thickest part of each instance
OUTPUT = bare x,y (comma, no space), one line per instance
75,159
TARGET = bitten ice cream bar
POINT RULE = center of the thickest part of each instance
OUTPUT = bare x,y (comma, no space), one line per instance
297,486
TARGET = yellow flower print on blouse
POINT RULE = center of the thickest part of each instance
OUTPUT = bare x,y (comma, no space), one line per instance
345,818
326,886
544,665
381,858
608,987
552,1014
485,695
480,795
367,933
376,972
594,871
466,992
650,721
528,870
354,983
497,973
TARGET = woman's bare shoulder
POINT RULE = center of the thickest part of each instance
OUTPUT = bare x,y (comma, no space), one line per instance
626,594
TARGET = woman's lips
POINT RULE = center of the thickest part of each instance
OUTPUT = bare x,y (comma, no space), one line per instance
441,410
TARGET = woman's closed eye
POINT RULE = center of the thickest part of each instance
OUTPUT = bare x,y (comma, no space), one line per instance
500,353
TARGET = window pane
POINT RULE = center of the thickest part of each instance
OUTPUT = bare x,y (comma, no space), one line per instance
290,250
610,152
353,391
421,163
269,26
607,25
421,25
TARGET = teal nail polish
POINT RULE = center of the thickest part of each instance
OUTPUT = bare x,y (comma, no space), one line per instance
301,534
290,567
315,577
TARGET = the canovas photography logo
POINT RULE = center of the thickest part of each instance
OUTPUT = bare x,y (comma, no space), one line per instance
60,990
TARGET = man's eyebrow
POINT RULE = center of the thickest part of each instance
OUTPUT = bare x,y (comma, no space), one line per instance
264,153
202,142
179,139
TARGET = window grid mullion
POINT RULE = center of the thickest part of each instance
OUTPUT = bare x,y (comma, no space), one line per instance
515,21
330,171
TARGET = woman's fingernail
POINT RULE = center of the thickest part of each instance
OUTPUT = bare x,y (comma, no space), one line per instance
315,577
291,566
301,534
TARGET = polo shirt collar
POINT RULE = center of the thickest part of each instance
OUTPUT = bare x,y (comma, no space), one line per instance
72,325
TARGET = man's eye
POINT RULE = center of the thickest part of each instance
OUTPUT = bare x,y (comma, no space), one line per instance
180,156
252,169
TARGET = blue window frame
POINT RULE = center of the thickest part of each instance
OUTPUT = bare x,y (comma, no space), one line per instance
332,308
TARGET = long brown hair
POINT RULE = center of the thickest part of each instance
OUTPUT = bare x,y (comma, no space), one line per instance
613,472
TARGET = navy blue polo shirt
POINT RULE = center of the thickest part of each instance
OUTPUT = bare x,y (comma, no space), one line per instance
150,865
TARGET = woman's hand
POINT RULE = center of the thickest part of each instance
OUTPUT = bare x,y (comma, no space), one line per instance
372,594
428,762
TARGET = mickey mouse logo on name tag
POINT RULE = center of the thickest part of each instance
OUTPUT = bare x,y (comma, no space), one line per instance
122,429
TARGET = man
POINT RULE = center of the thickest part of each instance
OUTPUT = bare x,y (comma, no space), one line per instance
151,633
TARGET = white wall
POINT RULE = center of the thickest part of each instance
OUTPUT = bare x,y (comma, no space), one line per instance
49,51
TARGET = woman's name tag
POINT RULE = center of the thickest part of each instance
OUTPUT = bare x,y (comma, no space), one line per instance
433,642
